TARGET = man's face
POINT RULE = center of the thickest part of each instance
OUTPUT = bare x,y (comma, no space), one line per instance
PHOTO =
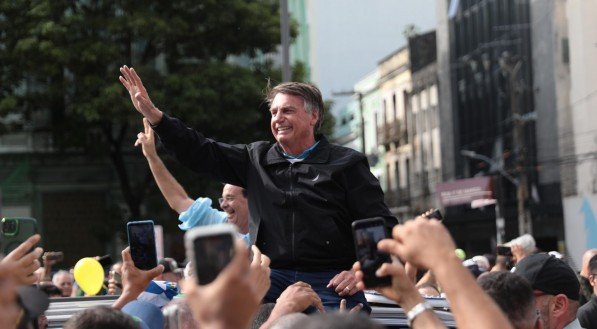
292,126
65,283
235,205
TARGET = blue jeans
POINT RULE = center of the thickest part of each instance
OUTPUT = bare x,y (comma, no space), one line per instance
281,279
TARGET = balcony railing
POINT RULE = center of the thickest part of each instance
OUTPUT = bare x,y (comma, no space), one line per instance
393,132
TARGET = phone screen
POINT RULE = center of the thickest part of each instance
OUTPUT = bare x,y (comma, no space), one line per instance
142,244
212,254
367,233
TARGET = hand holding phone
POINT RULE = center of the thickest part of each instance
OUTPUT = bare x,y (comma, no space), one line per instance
367,233
141,238
504,251
15,231
434,214
210,248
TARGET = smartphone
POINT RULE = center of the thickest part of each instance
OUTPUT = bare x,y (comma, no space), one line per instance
504,251
435,214
15,231
210,248
367,233
142,243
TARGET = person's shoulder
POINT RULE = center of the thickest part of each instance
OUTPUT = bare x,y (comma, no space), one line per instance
259,145
588,309
343,153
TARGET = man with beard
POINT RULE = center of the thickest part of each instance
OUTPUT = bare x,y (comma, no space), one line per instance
555,287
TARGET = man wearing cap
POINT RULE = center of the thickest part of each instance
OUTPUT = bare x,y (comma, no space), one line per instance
555,287
587,314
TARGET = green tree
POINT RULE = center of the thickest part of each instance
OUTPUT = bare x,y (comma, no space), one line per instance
63,57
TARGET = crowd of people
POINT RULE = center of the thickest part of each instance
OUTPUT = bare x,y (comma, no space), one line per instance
293,202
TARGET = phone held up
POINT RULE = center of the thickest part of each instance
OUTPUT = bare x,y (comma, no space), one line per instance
367,233
435,214
504,251
141,238
210,248
15,231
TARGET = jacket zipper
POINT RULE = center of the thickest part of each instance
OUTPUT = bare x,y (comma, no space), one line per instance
292,209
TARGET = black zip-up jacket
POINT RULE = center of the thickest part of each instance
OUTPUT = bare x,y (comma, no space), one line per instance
301,213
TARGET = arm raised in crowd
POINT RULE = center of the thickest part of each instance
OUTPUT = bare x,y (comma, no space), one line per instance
139,96
428,244
24,262
134,280
402,291
228,302
173,192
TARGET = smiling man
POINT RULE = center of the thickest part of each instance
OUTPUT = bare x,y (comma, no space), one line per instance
198,212
303,192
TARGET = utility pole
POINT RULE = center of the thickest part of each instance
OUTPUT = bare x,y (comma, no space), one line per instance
500,223
285,35
525,224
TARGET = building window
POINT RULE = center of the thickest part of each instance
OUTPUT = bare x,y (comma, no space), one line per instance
565,51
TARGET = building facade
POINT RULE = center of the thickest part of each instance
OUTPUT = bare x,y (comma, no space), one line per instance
579,187
488,110
423,126
392,122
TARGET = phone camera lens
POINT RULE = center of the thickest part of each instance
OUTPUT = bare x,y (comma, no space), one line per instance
9,227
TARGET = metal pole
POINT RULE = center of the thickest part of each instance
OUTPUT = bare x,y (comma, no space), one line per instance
524,220
285,34
499,224
362,118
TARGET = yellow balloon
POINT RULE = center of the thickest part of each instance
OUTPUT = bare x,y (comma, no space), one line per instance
89,275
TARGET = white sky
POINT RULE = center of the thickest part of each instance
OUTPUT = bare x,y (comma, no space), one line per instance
349,37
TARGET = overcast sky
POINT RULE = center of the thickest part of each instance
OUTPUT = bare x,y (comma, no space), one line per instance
349,37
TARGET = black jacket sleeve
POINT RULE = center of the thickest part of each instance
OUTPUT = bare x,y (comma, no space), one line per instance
226,163
364,194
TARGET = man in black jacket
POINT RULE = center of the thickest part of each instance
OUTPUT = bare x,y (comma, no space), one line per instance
304,192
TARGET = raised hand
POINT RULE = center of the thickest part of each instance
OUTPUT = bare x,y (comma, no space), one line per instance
146,140
139,96
24,262
425,243
134,280
259,272
227,302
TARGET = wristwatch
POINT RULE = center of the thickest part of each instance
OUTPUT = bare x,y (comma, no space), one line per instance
416,310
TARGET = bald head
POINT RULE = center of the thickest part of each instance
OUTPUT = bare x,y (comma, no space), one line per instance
586,257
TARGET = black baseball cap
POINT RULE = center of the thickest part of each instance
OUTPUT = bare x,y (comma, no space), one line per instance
550,275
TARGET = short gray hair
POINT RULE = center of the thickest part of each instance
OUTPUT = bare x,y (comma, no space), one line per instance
310,94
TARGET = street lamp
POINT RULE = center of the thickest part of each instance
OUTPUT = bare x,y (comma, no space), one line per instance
499,219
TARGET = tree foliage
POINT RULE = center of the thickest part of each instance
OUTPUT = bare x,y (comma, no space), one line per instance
63,57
